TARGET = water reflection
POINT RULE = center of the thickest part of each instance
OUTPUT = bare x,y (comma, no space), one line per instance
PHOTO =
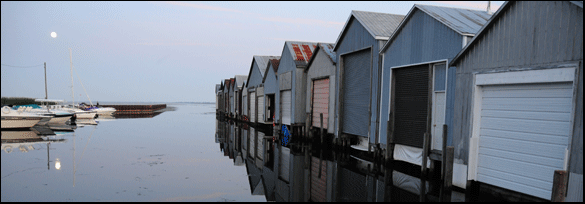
304,172
33,139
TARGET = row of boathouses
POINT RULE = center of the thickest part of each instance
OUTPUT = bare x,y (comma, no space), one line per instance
503,91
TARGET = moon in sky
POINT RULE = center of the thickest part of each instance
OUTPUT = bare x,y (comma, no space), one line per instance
53,34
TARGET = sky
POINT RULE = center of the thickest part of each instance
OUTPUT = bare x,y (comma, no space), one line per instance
160,51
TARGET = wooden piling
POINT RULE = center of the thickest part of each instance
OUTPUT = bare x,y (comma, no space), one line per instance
559,191
444,156
426,142
321,132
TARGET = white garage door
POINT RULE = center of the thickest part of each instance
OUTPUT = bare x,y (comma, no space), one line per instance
253,107
524,131
285,106
261,109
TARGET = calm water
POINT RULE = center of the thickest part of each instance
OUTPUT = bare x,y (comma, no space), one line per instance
170,157
186,154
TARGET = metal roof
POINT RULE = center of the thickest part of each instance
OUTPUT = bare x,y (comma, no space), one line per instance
274,63
301,51
380,25
262,62
240,79
327,48
463,21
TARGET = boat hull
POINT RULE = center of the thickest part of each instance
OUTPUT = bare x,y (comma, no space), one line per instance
19,121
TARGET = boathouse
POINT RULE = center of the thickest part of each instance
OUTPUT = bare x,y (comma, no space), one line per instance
232,97
226,97
271,91
519,100
291,79
320,85
256,88
217,91
417,86
238,86
356,48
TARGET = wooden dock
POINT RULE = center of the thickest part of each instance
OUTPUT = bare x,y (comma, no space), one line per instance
136,109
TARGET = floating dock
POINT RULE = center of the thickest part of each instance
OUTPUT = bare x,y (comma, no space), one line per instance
136,109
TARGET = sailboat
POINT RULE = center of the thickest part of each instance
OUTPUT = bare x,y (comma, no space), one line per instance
91,108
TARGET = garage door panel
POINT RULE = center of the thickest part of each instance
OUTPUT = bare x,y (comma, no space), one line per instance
261,109
285,107
356,92
521,146
516,170
550,139
535,101
522,93
320,102
528,126
253,107
546,161
524,133
556,116
528,189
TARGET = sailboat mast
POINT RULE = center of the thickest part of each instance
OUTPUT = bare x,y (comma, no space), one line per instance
71,65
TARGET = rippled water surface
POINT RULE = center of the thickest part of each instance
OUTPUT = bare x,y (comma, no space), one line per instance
172,156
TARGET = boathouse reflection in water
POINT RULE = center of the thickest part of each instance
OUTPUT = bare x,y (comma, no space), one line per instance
305,172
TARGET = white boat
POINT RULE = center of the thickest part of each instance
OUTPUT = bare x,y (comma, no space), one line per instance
19,118
59,117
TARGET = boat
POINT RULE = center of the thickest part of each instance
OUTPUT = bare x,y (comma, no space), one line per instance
18,118
58,117
101,111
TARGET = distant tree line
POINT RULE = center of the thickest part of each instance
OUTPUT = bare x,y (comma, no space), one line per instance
20,101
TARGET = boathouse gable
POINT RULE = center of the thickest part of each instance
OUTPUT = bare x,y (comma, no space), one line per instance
415,61
271,90
357,75
292,80
527,61
321,87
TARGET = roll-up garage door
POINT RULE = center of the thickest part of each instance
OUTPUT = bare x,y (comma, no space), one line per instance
261,109
411,105
245,105
524,131
320,102
253,107
356,92
285,106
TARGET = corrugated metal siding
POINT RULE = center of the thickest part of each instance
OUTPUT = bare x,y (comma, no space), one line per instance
422,39
524,131
411,105
527,35
356,98
320,102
